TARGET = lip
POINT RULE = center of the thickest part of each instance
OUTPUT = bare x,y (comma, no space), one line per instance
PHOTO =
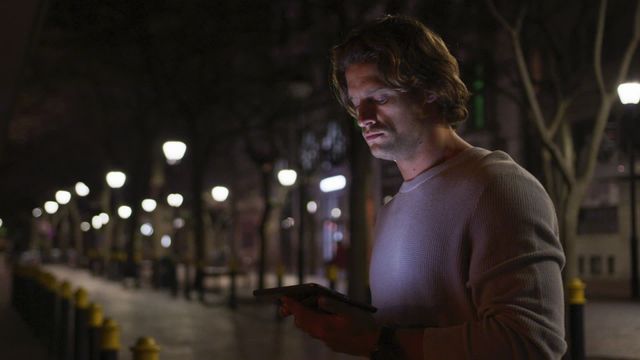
372,135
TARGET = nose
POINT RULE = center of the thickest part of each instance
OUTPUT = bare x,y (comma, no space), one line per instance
366,113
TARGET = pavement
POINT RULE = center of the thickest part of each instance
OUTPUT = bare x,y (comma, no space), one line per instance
189,330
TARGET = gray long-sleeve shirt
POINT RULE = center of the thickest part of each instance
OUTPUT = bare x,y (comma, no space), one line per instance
469,251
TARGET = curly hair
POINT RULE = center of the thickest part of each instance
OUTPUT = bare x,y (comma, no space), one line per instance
410,57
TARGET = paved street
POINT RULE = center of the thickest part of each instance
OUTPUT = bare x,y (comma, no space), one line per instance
189,330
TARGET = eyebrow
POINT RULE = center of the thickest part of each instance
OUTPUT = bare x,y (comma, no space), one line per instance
371,92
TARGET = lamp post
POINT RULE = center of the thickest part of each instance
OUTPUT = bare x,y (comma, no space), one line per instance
115,180
630,95
220,194
287,178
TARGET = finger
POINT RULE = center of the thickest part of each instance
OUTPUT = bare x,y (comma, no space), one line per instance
335,306
283,309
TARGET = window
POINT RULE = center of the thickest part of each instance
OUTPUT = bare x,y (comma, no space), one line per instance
611,265
595,263
581,265
600,220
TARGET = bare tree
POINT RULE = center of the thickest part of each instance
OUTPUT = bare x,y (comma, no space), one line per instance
568,171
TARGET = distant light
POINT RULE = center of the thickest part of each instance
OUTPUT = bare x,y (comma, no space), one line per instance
178,223
165,241
146,229
629,93
288,223
174,200
1,222
124,211
82,189
149,205
96,222
620,168
333,183
36,212
85,226
104,217
336,213
63,197
219,193
312,207
287,177
116,179
51,207
387,199
174,151
338,236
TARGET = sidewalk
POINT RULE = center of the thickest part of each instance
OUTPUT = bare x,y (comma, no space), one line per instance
188,330
16,339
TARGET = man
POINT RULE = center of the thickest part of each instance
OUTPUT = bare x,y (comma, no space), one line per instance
466,261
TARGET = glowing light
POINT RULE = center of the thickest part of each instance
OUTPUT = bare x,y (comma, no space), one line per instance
287,177
146,229
104,217
312,207
629,93
620,168
51,207
336,213
63,197
288,223
1,223
175,200
85,226
219,193
165,241
82,189
333,183
149,205
116,179
36,212
124,211
174,151
96,222
178,223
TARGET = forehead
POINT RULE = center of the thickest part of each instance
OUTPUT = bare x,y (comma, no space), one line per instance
361,75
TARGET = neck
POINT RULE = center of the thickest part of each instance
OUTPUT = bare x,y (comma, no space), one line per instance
440,145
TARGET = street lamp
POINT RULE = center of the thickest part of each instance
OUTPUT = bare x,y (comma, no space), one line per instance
333,183
36,212
51,207
629,94
124,212
287,177
174,151
219,193
82,189
149,205
116,179
174,200
63,197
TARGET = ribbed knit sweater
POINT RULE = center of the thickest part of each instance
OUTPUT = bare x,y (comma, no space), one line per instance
469,251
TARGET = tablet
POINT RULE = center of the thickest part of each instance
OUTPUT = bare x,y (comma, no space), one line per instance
308,295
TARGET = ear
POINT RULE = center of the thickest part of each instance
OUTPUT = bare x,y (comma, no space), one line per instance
431,97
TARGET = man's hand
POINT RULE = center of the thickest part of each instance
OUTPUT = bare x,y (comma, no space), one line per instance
341,327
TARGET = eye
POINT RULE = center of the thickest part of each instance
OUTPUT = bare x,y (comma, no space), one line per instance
381,99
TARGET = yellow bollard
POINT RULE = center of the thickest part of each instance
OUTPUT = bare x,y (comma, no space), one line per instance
65,335
576,319
95,324
576,292
145,349
109,340
81,324
332,275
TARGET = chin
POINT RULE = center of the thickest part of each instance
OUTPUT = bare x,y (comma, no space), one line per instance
379,153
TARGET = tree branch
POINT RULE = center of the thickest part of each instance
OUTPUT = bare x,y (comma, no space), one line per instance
630,51
501,19
597,49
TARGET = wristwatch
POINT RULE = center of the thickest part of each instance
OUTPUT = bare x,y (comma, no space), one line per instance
386,347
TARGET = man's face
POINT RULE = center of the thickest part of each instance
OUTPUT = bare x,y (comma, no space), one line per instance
394,122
